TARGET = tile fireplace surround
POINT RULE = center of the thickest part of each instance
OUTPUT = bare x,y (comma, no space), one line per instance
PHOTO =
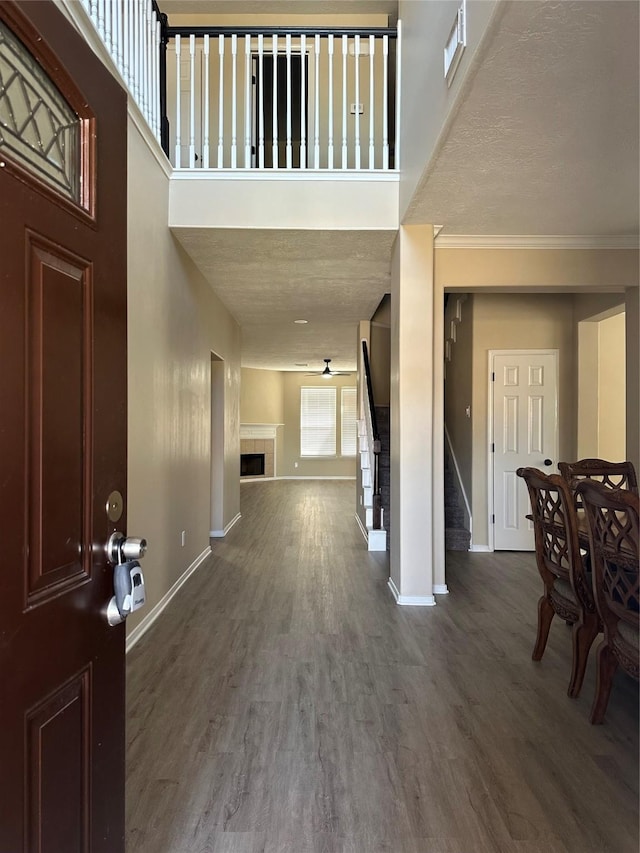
260,438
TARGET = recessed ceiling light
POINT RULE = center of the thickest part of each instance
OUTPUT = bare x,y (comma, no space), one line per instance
301,322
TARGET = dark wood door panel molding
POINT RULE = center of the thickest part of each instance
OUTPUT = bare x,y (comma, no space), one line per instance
59,378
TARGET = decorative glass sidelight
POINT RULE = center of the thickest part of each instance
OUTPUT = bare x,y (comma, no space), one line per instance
38,128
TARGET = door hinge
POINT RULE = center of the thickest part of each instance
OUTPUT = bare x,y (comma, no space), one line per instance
493,447
493,376
493,519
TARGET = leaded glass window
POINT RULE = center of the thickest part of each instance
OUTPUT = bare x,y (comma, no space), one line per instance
38,128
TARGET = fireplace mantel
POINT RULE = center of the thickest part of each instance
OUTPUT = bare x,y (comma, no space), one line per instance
258,430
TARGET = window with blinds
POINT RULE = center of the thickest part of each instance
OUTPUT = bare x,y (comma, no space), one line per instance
348,426
318,421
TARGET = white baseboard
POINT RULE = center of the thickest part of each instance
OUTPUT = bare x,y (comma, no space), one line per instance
411,600
220,534
142,627
481,549
440,589
363,529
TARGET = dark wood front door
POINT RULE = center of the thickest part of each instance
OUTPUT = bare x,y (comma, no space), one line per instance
62,436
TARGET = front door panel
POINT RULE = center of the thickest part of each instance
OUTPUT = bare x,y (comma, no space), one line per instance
62,436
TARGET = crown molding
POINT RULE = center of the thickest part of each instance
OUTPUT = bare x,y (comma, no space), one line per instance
534,241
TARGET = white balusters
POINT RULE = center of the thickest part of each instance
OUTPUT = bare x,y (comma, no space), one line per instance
247,101
234,100
357,93
303,102
345,48
274,125
192,101
221,102
206,142
132,33
288,150
396,153
330,115
178,154
385,102
261,101
316,128
372,138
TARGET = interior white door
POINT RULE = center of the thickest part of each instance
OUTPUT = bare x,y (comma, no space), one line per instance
525,433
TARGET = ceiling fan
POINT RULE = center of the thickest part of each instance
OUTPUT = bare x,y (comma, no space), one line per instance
327,373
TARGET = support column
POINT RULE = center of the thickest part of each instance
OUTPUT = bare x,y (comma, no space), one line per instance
437,501
412,410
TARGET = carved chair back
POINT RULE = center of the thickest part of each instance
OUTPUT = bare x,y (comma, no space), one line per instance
556,533
614,527
615,475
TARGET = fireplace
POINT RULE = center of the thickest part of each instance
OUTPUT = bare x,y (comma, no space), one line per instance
252,464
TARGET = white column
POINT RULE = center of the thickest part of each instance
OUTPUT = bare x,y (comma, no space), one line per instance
437,502
412,478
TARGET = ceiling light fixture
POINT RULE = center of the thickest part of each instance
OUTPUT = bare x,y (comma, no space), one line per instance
301,322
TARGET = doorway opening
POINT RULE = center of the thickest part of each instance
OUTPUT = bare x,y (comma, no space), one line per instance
217,446
263,111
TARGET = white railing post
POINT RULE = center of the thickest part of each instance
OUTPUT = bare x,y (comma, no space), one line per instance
345,48
192,101
247,101
100,19
330,116
178,154
117,36
205,141
221,102
316,129
385,102
303,102
396,156
234,102
108,9
261,101
288,150
356,54
372,54
274,124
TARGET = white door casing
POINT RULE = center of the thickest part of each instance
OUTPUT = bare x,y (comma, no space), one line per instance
523,431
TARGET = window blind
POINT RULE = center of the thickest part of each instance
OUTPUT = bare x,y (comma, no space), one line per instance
318,422
348,426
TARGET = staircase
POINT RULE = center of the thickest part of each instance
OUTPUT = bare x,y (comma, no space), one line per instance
384,466
456,535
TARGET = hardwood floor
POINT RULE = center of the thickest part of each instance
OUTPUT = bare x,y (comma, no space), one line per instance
285,704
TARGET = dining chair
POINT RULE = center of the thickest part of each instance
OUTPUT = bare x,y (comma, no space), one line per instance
615,475
613,526
567,586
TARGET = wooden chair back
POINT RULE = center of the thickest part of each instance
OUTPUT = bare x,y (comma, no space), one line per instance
615,475
614,531
556,532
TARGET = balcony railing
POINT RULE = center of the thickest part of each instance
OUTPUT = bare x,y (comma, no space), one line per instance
282,99
257,98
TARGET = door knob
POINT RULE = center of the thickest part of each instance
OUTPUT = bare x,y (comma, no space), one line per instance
548,462
128,581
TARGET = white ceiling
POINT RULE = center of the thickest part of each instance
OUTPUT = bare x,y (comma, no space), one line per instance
544,141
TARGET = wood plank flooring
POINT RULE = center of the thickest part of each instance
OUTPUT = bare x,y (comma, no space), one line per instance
284,703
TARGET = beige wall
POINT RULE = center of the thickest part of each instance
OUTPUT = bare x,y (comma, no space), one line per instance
175,323
261,396
611,389
338,467
632,324
587,386
425,30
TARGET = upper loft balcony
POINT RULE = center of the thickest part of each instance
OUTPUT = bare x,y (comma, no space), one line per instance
237,108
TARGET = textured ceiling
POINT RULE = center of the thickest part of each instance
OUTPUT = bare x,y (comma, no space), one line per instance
545,140
269,278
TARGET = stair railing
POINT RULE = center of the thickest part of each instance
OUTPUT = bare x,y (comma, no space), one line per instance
373,439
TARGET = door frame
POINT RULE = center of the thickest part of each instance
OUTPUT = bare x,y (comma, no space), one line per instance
553,351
